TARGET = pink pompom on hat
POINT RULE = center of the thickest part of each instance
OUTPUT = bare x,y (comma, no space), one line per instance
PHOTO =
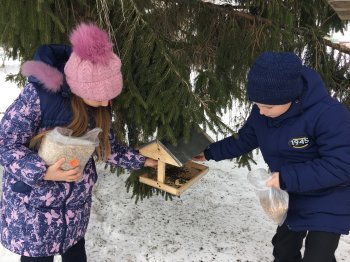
93,71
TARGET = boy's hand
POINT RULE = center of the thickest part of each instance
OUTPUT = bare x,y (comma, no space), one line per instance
56,173
274,181
199,157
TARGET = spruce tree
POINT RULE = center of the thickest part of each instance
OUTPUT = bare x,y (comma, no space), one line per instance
184,61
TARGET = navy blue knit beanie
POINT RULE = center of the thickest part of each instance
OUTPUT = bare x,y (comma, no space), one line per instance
275,78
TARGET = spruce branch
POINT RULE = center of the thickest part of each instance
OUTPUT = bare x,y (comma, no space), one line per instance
239,11
103,11
342,48
139,21
244,14
142,191
175,70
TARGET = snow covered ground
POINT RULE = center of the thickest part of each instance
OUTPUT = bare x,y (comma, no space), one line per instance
8,90
217,219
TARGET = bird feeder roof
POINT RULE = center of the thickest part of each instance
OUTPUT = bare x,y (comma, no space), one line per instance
178,154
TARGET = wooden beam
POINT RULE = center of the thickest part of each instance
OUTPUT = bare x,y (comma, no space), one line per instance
341,48
155,150
243,13
161,171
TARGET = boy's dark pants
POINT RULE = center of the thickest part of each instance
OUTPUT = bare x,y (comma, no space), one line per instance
319,246
75,254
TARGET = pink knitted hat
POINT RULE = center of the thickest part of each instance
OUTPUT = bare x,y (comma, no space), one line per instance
93,70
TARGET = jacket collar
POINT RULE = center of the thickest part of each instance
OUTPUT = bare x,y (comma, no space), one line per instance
295,109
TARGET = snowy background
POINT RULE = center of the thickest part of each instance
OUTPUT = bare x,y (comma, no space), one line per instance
217,219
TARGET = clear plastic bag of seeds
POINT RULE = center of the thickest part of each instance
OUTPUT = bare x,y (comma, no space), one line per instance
274,201
59,143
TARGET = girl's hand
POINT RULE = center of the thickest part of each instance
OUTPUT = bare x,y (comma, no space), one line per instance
56,173
199,157
151,163
274,181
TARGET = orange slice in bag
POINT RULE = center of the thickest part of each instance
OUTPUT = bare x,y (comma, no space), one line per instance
74,162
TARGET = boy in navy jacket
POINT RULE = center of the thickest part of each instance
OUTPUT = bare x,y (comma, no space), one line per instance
304,137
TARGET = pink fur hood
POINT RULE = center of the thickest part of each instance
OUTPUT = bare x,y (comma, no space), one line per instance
50,77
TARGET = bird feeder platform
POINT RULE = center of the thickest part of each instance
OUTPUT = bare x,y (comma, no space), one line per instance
176,179
175,171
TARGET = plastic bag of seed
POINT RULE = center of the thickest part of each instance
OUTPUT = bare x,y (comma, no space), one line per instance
59,143
274,201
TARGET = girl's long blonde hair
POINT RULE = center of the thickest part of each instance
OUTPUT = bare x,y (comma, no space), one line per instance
80,125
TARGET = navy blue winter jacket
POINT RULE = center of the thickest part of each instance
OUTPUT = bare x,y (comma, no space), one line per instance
310,146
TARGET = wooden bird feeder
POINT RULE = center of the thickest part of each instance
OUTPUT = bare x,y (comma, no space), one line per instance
176,172
341,7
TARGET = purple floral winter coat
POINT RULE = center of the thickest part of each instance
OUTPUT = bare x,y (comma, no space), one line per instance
47,217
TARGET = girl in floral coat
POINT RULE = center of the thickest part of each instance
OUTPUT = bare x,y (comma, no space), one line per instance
45,210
